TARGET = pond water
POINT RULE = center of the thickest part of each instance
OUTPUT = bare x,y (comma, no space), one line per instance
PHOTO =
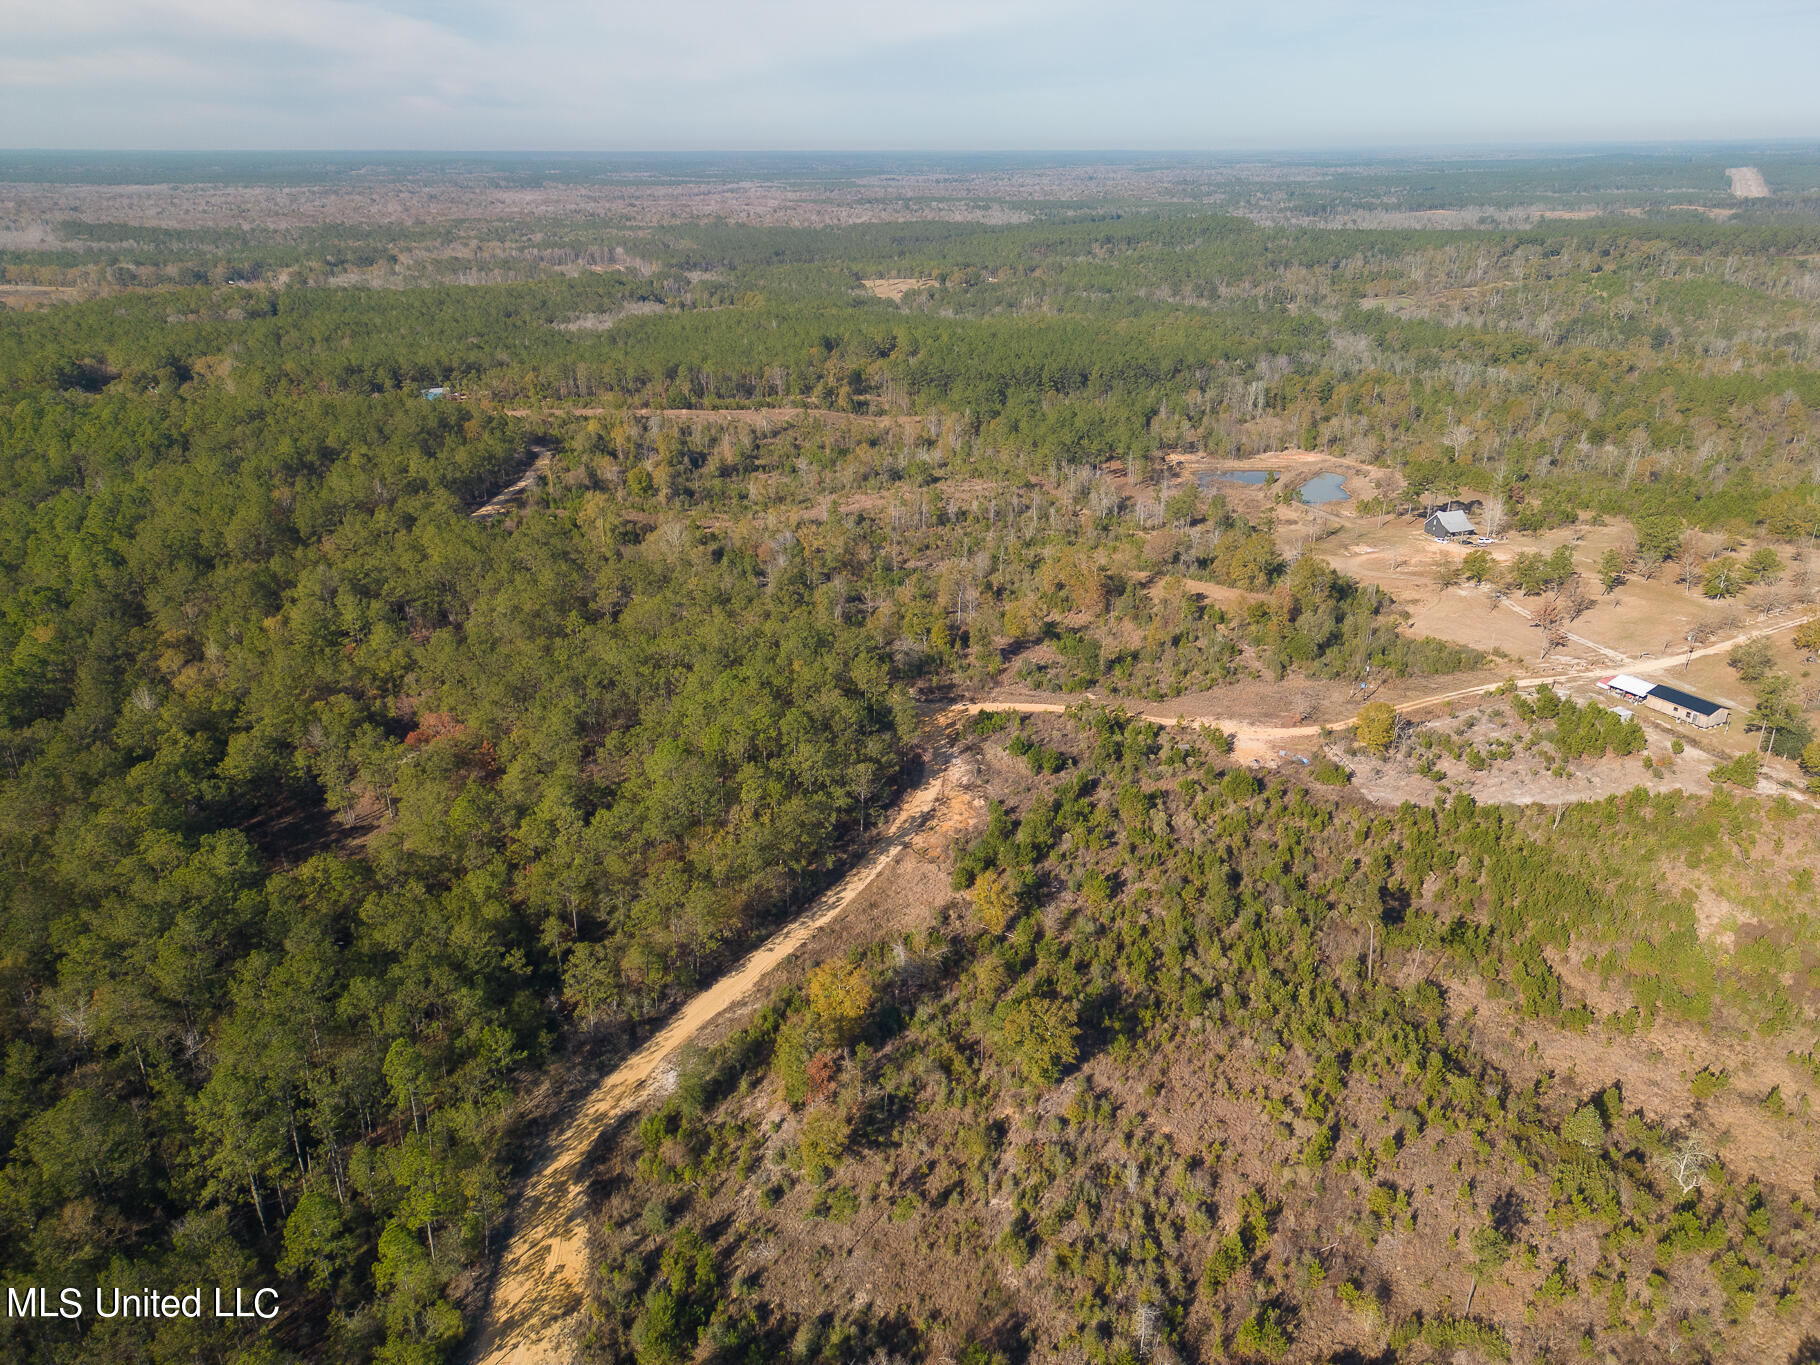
1321,488
1324,488
1250,476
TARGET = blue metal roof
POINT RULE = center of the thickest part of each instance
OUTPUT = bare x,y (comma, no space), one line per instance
1700,706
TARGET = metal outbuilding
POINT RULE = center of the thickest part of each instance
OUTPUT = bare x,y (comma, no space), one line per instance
1696,711
1707,715
1448,526
1634,688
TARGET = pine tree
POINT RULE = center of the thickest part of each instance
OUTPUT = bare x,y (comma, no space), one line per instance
1586,1127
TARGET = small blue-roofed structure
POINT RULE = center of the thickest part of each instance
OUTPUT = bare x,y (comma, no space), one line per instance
1698,711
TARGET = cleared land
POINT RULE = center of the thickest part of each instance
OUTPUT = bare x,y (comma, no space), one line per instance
895,289
1748,182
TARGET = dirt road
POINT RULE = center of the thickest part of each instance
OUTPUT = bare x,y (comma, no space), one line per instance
1256,741
1614,655
534,1316
507,498
780,415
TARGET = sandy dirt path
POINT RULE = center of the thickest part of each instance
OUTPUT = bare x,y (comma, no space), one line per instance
1254,741
1616,656
780,415
534,1316
507,498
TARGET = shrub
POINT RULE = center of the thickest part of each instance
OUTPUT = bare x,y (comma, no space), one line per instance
1742,771
1240,785
994,900
1491,1247
1261,1334
1752,659
1585,1127
1377,727
1707,1082
1040,1032
1325,770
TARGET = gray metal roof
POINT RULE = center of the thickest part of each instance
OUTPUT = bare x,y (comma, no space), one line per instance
1454,523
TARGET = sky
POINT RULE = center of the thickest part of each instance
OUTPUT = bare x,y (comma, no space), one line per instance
937,74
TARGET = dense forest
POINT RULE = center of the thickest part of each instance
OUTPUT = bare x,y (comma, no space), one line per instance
1593,366
337,816
327,803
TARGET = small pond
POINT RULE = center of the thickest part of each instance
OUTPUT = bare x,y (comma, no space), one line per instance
1321,488
1249,476
1324,488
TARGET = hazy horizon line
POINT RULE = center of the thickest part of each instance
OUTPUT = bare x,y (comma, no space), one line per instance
1507,146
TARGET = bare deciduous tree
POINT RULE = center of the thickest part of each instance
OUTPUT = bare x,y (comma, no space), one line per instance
1574,601
1144,1324
1459,435
1687,1164
1492,513
1550,618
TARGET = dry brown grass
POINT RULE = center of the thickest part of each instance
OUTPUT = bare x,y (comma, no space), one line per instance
895,288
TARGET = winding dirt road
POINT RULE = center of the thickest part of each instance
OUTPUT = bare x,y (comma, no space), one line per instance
1255,741
535,1313
534,1316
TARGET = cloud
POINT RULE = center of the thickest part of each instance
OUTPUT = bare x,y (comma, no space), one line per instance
835,73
